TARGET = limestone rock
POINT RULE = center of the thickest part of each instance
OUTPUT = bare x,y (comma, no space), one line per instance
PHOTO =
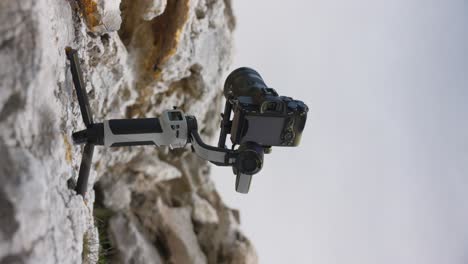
102,16
132,245
203,212
179,233
138,58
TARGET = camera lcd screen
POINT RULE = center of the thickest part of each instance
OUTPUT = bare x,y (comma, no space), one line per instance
264,130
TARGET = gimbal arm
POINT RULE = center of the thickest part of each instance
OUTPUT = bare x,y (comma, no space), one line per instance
222,157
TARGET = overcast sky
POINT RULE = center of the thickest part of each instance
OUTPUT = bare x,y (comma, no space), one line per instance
381,175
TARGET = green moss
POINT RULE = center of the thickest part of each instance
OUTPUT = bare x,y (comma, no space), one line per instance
90,246
85,253
101,219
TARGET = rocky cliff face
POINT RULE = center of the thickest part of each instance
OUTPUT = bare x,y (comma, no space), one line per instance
139,57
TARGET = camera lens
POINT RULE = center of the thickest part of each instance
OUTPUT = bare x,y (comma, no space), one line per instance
243,82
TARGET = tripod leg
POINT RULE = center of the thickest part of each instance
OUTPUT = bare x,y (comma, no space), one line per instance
83,175
80,88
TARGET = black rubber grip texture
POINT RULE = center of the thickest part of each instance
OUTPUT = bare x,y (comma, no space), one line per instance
135,126
129,144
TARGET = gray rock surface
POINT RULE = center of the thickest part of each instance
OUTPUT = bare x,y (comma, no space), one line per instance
138,58
131,242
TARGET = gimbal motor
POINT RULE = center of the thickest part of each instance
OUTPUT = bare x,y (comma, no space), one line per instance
262,119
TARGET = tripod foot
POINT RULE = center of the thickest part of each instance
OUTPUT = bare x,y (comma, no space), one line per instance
83,175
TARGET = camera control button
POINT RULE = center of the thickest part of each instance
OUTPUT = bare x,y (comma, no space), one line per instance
288,136
292,105
302,107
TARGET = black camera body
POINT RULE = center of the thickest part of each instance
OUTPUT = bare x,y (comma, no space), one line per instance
260,114
262,119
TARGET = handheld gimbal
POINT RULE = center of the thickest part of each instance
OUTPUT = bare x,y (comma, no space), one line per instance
262,119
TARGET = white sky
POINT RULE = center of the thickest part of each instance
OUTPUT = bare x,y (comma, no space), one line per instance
381,175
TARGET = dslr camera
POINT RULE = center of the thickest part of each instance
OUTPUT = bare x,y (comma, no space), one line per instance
262,119
260,114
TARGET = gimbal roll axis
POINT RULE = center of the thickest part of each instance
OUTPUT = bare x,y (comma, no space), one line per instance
175,129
